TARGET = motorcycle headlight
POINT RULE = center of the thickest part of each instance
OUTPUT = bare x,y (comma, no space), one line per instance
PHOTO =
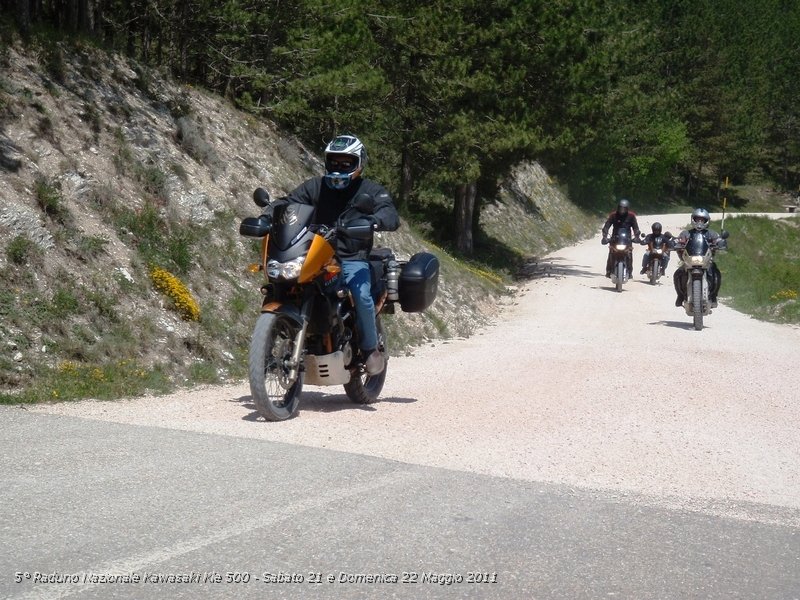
697,261
287,270
659,251
621,247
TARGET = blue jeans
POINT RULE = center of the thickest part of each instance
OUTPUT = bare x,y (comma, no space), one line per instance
358,278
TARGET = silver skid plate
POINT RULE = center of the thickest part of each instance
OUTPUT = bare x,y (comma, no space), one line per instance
325,370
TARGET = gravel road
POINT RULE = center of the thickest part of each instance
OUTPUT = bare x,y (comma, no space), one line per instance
574,384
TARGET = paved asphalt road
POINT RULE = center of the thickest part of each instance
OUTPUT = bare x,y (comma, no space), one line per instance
83,498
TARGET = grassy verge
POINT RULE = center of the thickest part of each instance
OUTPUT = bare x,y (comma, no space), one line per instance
761,270
75,381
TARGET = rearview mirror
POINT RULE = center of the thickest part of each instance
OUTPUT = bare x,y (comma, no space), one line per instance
724,235
261,197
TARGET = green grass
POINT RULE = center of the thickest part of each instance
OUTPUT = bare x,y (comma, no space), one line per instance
157,240
74,381
761,269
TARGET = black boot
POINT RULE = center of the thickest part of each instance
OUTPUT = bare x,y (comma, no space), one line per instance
679,301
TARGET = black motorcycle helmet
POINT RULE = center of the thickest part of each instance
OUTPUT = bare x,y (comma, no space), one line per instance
656,227
623,206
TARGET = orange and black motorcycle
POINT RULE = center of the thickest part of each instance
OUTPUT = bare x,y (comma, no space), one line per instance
306,333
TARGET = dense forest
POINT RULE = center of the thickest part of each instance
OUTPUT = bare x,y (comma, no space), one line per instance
640,98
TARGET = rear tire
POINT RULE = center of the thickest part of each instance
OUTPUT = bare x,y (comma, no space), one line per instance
697,303
363,388
620,274
271,347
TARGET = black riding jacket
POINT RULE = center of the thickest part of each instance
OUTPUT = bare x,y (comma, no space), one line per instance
330,204
659,239
616,220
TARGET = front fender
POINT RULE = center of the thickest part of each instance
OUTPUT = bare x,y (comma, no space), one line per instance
284,309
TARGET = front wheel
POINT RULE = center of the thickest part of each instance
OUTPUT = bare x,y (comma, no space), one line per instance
697,303
655,271
276,396
362,387
620,274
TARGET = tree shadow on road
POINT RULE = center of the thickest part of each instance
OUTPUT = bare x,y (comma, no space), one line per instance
321,402
556,267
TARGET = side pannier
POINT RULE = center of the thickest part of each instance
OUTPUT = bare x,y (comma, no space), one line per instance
418,282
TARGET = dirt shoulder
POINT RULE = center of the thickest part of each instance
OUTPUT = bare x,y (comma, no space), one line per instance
574,384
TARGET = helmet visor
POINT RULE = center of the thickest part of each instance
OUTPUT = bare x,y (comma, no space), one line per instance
699,219
340,163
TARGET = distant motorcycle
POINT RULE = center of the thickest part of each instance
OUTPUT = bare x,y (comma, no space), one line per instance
622,256
657,247
696,256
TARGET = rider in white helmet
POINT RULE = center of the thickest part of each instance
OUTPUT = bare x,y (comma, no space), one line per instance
343,191
700,222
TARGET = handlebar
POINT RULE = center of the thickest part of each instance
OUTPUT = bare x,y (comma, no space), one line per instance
323,230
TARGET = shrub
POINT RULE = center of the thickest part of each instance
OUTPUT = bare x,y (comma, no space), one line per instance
21,250
48,197
153,179
45,129
55,64
191,138
174,289
64,302
90,247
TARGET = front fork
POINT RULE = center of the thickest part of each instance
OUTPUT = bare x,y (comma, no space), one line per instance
299,339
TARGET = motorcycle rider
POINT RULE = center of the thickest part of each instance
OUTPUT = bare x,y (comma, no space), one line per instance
700,222
332,195
622,217
657,243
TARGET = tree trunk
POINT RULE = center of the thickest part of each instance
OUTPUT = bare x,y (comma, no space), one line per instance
72,16
23,16
463,212
36,11
406,179
85,16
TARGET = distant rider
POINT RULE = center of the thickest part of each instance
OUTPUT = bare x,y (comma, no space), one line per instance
700,222
659,240
621,218
332,195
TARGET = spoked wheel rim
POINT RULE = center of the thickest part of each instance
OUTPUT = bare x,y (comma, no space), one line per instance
276,366
275,395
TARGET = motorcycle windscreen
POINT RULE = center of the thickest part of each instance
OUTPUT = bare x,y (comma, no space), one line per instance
289,225
623,236
697,244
